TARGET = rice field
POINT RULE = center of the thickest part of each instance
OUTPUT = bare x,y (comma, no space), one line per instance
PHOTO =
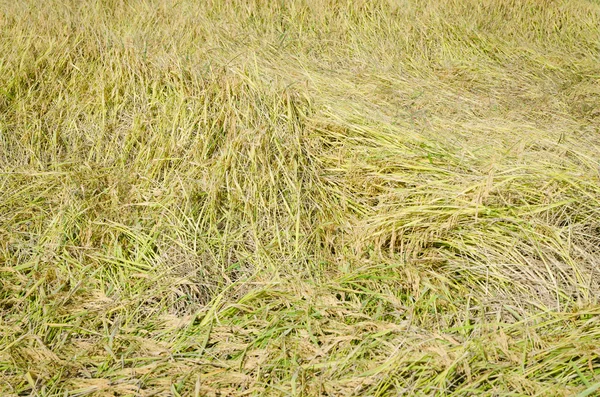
299,198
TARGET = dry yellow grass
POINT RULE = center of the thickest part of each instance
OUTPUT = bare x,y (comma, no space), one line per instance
306,198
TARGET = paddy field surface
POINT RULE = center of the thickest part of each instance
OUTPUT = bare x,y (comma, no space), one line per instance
299,198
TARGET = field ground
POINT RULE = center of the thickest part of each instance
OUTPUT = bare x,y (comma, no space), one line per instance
304,198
